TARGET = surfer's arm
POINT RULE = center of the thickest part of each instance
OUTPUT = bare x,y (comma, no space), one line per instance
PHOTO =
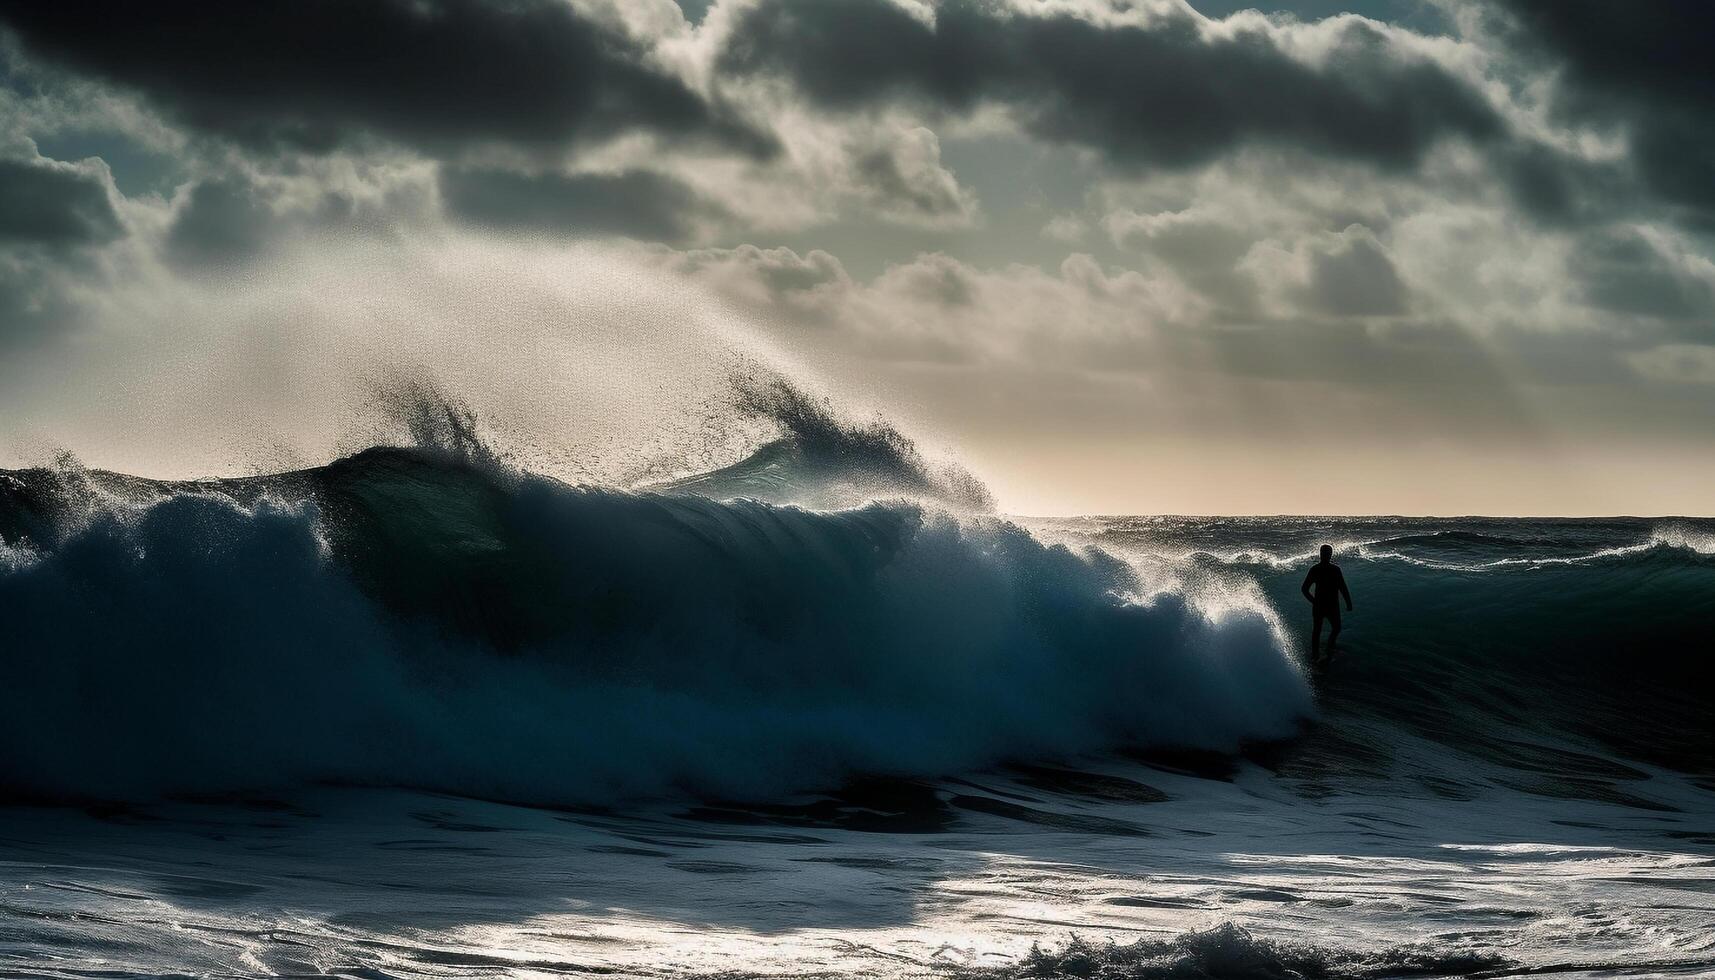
1305,588
1345,592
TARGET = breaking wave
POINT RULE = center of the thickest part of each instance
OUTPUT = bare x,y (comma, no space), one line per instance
425,617
819,460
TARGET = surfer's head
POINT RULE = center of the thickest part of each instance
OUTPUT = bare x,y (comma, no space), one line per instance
1327,552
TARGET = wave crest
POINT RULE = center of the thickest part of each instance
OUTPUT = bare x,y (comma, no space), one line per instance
819,459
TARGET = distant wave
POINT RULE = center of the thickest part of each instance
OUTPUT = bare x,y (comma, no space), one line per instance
1440,538
1477,557
410,617
1678,536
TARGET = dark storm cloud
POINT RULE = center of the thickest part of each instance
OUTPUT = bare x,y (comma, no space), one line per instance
50,203
1621,271
1555,187
1643,67
431,73
53,215
1161,95
637,204
233,219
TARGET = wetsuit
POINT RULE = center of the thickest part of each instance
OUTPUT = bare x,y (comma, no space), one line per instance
1330,587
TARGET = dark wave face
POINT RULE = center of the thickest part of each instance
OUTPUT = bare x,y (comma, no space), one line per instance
404,617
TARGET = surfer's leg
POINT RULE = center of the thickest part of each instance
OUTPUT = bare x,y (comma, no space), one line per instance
1333,628
1316,635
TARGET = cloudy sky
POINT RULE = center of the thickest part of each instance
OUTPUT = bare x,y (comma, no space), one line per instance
1350,256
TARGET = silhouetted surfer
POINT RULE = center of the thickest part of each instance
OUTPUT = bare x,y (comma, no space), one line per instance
1325,601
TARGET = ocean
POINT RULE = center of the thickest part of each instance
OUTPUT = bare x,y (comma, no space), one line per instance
422,713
